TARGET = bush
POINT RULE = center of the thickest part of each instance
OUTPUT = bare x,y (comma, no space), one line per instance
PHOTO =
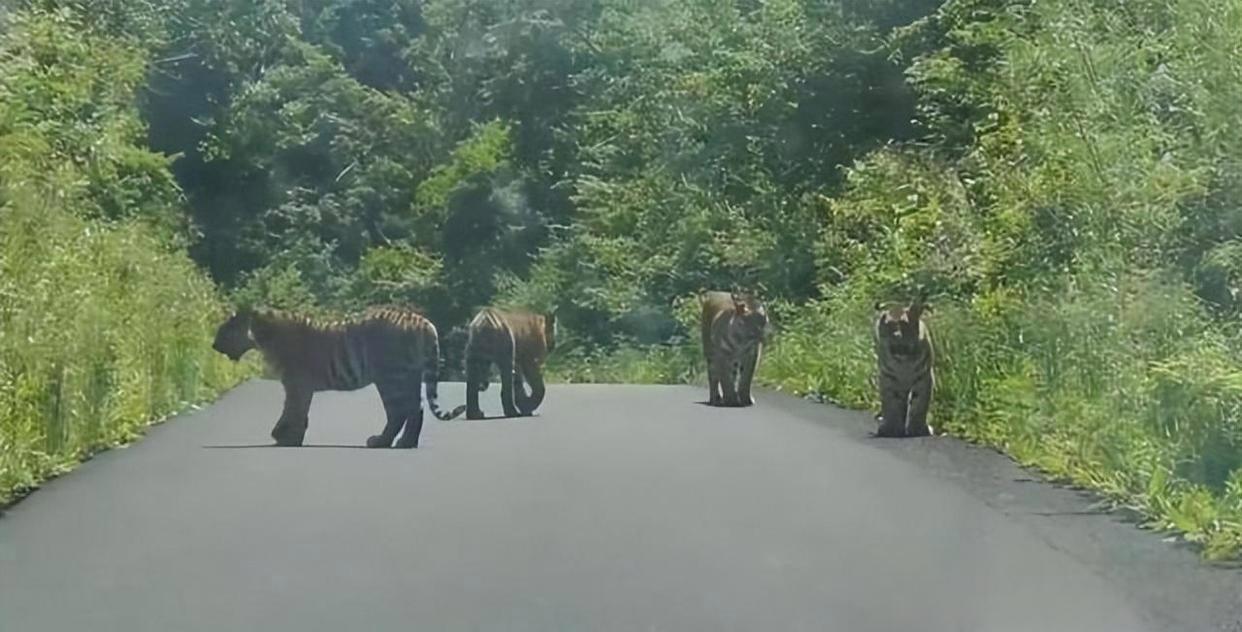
627,364
103,329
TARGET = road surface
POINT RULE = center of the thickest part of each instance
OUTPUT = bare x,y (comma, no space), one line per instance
617,508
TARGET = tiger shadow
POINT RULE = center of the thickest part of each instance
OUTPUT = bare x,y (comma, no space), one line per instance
343,446
486,418
249,446
711,405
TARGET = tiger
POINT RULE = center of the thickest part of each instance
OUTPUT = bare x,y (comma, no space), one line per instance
904,354
517,342
734,326
394,348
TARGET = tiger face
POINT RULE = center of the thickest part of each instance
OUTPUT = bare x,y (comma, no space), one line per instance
899,328
233,337
751,318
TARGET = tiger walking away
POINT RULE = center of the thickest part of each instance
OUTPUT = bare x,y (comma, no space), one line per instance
904,355
733,326
394,348
517,342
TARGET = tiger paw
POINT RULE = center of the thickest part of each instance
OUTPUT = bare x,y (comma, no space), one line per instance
289,437
406,443
379,441
474,415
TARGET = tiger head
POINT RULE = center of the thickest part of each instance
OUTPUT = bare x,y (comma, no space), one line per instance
233,338
751,316
899,328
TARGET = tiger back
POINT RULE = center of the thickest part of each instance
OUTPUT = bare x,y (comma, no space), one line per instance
732,325
905,375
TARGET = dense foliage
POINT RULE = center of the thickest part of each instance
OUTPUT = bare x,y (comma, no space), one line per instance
105,325
1060,177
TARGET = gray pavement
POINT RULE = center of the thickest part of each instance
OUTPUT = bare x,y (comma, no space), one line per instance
617,508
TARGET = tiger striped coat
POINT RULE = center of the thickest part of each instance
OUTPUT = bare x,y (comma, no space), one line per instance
733,327
905,377
517,342
394,348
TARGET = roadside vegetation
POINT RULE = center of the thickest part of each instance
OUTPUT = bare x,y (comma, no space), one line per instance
1061,177
105,323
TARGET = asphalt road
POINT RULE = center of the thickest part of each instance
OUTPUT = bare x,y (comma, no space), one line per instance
618,508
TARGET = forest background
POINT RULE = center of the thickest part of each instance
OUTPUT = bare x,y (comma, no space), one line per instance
1062,178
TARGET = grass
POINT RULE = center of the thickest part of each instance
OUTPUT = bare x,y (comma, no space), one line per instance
627,364
104,329
1124,388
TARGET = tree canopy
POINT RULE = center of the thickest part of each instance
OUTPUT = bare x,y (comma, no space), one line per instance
1062,176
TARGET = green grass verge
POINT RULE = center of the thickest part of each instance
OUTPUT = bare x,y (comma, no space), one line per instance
104,329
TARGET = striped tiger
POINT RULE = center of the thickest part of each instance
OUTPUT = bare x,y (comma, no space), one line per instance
903,349
394,348
517,342
733,327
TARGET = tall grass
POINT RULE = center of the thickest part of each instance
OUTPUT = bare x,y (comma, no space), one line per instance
628,364
1093,385
103,329
677,362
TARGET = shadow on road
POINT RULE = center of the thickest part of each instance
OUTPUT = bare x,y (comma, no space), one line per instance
336,446
488,418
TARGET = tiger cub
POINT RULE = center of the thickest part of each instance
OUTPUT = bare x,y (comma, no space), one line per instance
733,327
517,342
394,348
903,349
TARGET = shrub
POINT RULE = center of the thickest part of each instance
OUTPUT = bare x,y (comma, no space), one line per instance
103,329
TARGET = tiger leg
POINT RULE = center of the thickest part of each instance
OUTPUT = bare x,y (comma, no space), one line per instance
713,385
414,415
920,402
508,373
713,378
529,373
893,405
726,372
520,398
749,363
396,407
413,429
290,429
476,376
